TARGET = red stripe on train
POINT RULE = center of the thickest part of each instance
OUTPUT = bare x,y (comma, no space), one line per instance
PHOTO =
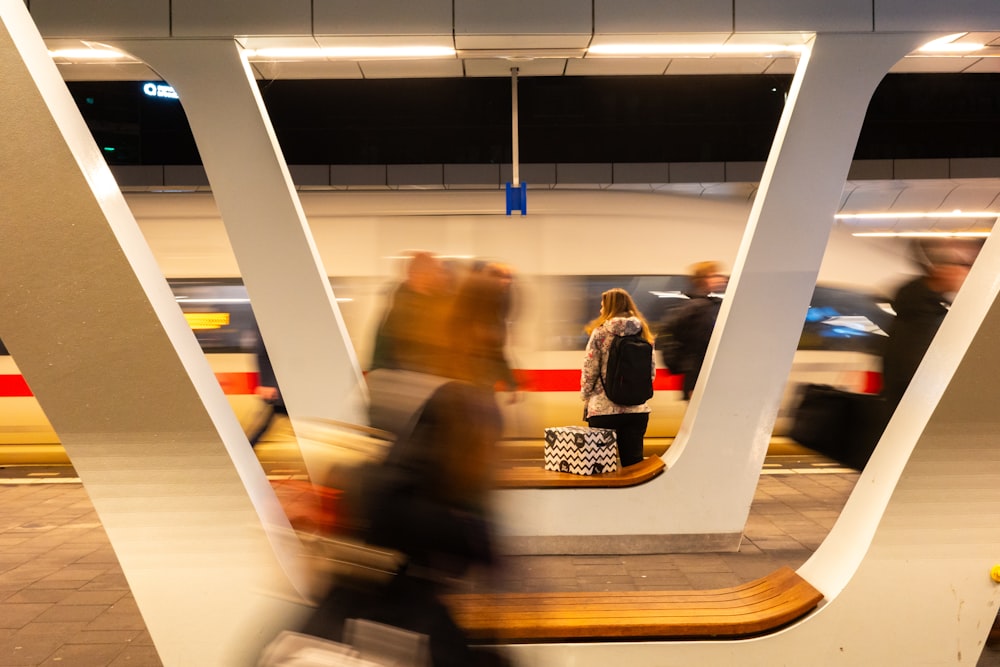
569,380
231,383
541,380
14,385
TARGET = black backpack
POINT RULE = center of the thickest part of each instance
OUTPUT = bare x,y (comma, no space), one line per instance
628,380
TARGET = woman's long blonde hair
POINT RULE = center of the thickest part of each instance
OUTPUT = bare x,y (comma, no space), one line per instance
616,302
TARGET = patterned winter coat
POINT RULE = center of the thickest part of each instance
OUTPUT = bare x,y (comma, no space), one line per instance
595,364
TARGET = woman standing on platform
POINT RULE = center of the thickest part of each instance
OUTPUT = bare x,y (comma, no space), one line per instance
619,317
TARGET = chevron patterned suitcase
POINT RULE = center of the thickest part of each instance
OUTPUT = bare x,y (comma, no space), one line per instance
581,450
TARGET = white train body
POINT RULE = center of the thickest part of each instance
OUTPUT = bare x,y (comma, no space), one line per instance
570,246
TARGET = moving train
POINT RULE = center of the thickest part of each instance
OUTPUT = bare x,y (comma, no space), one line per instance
573,245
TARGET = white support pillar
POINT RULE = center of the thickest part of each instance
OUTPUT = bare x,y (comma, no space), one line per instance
906,569
306,339
702,502
99,338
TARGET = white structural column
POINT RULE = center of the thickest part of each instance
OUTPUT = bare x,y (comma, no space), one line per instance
96,331
702,501
906,569
307,342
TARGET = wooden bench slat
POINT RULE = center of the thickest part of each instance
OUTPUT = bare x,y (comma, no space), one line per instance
537,477
747,609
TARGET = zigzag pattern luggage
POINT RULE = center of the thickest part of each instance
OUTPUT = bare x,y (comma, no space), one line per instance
581,450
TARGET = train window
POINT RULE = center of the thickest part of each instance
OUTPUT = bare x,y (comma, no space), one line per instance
219,314
838,319
222,319
577,301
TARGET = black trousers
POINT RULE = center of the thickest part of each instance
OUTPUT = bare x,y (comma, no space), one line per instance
629,428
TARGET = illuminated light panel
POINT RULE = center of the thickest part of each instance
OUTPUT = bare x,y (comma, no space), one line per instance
911,215
90,54
184,299
948,44
925,235
352,52
201,321
694,49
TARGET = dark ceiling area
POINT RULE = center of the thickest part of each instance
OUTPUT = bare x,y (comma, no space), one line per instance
560,119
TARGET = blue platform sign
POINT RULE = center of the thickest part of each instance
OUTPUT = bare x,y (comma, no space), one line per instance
517,198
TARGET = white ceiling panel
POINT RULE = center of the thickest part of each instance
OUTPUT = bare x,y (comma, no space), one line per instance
196,18
984,66
616,66
815,15
334,41
381,17
411,69
719,65
869,196
522,17
971,197
308,69
932,64
289,42
637,16
782,66
521,41
922,195
107,72
501,67
101,19
602,38
951,16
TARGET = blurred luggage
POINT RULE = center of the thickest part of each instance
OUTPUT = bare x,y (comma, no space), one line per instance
841,425
581,450
344,460
367,645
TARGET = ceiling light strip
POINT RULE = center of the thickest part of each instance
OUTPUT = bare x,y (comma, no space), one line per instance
693,49
926,235
353,52
911,215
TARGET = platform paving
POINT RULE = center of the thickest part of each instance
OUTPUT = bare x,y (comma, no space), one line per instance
64,599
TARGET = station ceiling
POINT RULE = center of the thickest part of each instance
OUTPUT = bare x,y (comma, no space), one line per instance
568,55
566,59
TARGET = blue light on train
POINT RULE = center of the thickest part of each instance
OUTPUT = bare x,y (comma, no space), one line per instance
819,314
152,89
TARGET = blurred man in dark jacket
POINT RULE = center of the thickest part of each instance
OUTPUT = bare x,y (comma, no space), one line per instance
920,306
686,330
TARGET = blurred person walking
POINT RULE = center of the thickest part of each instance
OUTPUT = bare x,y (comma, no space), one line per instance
920,307
409,336
618,317
686,329
430,499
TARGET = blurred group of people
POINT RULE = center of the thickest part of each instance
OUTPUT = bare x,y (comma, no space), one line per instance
448,323
438,359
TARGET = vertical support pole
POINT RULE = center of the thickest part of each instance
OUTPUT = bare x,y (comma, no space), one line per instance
517,192
515,157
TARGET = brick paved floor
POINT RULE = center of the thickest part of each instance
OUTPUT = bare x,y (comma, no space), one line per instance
64,600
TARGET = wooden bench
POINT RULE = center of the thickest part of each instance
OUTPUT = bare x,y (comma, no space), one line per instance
739,611
537,477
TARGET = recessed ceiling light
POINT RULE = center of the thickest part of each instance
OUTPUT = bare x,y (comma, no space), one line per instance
353,52
693,49
907,215
948,44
